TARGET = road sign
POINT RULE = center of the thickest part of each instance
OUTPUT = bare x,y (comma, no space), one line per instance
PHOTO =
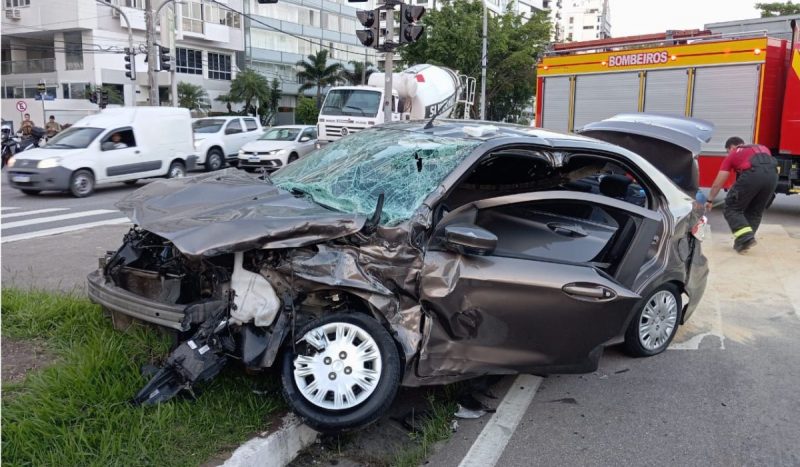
22,106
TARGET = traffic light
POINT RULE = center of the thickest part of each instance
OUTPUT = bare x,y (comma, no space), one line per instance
369,19
163,58
130,63
103,101
409,30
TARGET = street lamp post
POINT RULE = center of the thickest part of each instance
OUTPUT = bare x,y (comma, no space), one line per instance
484,59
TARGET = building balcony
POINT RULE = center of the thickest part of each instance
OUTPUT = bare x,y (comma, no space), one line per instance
21,67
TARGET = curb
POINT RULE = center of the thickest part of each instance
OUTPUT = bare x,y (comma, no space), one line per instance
277,449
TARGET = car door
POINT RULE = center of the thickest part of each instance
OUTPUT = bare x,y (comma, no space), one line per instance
542,299
234,137
304,146
123,160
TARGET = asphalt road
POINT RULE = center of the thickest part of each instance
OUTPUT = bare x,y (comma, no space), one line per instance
725,394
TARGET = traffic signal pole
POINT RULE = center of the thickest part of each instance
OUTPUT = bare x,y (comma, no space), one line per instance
150,25
130,41
388,70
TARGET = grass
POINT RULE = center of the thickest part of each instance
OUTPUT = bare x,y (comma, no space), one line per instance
436,428
75,412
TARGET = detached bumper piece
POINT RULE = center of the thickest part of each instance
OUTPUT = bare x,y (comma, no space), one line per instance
197,360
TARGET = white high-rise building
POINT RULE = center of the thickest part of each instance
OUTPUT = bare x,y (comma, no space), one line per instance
71,44
579,20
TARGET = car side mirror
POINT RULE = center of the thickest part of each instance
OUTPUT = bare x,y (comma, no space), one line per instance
304,139
469,239
107,146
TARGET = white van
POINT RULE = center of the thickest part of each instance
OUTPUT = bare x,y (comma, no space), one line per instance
115,145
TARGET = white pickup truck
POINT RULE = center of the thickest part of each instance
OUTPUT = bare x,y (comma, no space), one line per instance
218,140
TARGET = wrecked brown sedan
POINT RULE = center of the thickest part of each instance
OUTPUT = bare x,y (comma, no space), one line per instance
405,255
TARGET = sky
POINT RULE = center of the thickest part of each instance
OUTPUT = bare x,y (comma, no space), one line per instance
631,17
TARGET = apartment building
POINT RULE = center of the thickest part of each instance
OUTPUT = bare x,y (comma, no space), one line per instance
72,44
579,20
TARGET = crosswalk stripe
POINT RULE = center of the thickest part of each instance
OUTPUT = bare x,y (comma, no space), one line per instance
63,217
31,213
58,230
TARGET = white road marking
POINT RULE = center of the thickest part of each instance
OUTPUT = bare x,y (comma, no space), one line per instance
494,437
58,230
7,209
63,217
31,213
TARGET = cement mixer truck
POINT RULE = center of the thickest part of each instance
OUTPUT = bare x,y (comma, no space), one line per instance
419,92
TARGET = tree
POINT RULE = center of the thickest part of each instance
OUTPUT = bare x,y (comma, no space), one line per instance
513,48
269,108
354,76
249,86
306,112
315,72
227,99
193,97
778,9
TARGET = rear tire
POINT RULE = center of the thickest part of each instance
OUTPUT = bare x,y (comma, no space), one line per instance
655,323
214,160
358,370
31,192
81,183
176,170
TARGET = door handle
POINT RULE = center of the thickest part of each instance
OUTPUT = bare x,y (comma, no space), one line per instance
136,151
589,291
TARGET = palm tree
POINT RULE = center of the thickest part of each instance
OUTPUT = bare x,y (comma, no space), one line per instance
193,97
249,85
315,71
227,99
354,77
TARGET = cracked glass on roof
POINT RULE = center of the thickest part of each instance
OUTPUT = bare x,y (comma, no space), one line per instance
350,174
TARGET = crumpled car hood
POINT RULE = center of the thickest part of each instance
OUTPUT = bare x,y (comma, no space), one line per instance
229,211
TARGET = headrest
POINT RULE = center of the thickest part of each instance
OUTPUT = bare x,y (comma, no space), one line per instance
614,186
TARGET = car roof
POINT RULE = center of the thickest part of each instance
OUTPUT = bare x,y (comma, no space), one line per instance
289,126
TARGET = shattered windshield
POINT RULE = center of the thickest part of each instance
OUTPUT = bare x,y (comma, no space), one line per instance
350,174
352,102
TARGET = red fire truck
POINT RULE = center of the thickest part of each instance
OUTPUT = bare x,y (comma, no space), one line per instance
748,85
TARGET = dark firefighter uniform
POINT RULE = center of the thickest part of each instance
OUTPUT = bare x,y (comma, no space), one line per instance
756,179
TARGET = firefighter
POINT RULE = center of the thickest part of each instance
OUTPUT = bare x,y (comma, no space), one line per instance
756,179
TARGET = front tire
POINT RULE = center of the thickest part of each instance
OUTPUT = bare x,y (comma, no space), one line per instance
176,170
345,373
655,323
81,183
292,157
214,160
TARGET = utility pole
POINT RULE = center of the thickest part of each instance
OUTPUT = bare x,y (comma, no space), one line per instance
364,69
130,42
388,68
484,60
150,25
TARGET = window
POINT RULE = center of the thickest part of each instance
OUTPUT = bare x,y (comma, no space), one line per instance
235,126
74,90
212,13
189,61
8,92
125,140
311,133
219,66
251,124
73,50
17,3
193,17
571,20
588,27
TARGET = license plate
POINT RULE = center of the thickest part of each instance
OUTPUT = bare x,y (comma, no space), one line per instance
21,179
254,159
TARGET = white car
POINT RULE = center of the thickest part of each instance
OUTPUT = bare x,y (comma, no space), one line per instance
278,146
217,140
115,145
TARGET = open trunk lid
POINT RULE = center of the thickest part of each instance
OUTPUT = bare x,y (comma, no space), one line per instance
671,143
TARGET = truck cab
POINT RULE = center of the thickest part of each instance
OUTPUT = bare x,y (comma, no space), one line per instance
349,109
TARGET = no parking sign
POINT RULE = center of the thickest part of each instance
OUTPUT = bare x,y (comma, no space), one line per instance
21,106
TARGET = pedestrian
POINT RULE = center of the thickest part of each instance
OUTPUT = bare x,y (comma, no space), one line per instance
756,179
52,127
116,140
27,125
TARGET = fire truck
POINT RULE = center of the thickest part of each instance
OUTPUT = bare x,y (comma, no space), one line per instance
747,85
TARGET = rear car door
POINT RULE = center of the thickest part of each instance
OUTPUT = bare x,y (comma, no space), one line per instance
234,137
553,291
